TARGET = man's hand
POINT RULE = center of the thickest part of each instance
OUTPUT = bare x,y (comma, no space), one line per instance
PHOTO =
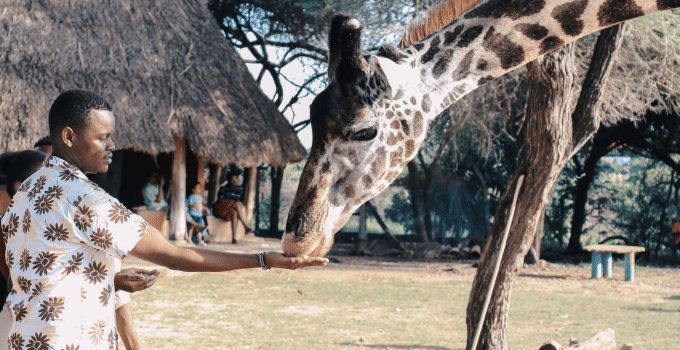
274,259
133,280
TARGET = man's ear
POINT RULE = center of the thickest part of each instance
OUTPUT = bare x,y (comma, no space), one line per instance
67,136
395,75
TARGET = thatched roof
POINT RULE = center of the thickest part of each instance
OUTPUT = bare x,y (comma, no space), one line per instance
164,66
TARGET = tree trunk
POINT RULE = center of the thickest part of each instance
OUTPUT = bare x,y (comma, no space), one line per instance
276,176
578,218
549,141
534,256
416,200
178,220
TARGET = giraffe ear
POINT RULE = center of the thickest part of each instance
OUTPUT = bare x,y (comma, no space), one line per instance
395,75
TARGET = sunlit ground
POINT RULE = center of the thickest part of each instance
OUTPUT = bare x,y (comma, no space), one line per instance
364,303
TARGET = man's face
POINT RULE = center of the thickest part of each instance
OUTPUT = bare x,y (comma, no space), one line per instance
92,146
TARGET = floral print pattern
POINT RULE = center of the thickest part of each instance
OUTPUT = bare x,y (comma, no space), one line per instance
63,230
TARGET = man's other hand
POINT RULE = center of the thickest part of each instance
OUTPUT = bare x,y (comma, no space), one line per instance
133,280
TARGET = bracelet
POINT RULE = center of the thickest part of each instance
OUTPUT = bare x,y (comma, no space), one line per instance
262,262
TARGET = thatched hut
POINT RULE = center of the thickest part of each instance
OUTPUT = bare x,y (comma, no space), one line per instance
173,79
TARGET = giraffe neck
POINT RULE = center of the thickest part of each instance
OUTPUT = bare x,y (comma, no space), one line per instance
496,37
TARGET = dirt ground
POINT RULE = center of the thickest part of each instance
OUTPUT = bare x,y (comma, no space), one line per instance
370,303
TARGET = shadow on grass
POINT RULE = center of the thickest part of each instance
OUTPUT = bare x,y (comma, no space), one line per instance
397,346
673,297
653,309
547,277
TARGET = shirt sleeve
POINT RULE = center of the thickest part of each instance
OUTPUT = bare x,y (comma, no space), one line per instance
111,228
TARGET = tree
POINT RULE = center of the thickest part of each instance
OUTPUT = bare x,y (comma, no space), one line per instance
551,135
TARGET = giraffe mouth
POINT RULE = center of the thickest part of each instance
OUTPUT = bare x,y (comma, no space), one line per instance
309,232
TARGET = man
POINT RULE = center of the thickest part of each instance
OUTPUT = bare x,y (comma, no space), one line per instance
152,192
64,234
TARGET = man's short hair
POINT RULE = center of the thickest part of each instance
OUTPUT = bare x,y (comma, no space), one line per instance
71,109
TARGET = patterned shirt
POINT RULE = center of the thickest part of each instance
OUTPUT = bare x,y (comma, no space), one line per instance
63,233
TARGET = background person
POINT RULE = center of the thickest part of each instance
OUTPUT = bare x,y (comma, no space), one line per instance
196,210
152,192
230,207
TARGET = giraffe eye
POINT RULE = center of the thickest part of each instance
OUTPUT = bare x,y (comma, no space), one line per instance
366,134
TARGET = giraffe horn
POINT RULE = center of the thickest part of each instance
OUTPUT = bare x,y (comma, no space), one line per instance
346,61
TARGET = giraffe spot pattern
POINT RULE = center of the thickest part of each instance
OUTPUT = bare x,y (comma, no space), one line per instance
418,124
502,8
450,37
405,127
432,51
410,148
532,30
413,100
484,80
550,43
442,64
367,180
379,163
419,46
391,139
426,104
469,35
614,11
464,68
482,64
568,15
509,53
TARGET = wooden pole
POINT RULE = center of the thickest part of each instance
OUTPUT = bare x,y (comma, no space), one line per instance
257,202
214,183
362,237
200,174
178,220
250,193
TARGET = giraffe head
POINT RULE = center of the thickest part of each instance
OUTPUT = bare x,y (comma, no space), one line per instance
366,125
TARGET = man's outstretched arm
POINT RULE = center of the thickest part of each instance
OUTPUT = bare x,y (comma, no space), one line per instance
153,247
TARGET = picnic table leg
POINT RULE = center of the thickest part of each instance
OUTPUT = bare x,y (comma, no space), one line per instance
630,266
596,265
607,264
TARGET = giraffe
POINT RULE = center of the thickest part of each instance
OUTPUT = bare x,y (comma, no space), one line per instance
368,123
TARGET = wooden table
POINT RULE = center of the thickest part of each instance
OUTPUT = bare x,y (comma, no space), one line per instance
602,259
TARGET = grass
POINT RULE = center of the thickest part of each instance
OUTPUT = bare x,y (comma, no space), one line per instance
367,303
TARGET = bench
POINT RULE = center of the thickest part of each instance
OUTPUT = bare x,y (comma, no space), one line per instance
602,259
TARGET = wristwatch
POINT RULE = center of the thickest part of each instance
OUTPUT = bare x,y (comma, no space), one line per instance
262,262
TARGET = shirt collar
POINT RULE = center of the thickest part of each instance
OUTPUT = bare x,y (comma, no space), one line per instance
64,166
